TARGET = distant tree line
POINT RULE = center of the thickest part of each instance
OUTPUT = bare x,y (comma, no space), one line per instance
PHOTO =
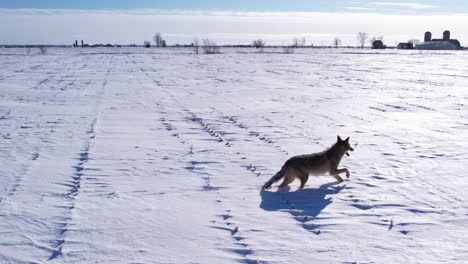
159,40
208,46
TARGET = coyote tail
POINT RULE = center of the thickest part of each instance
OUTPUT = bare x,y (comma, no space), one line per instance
275,178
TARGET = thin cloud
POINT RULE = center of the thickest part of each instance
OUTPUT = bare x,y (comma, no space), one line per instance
392,7
359,8
404,5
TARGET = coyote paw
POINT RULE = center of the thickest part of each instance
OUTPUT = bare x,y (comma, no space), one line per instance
348,174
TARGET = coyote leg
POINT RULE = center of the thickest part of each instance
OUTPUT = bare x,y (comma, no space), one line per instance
342,171
338,171
303,179
286,182
289,177
338,177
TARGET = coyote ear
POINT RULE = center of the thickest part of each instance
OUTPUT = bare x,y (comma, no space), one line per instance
347,140
338,139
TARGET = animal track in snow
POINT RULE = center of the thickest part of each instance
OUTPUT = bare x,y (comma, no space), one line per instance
258,135
208,128
241,246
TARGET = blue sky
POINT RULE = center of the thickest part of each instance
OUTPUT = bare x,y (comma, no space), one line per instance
227,22
251,5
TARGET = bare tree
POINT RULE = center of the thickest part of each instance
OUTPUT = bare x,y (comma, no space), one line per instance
374,39
158,39
147,44
295,43
210,47
196,45
258,43
302,42
362,38
336,42
163,43
43,50
299,42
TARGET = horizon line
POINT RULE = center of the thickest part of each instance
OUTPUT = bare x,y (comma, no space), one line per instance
215,11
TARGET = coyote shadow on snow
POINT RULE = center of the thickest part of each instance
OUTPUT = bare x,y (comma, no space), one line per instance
304,205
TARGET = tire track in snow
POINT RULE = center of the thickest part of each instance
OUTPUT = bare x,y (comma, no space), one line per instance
174,132
192,166
28,69
5,115
45,131
43,235
241,248
74,190
164,120
198,167
54,78
77,179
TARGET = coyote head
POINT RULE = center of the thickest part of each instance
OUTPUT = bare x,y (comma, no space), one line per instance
344,144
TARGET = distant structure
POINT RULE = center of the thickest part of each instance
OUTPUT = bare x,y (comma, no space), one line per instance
405,45
427,36
378,44
446,43
98,46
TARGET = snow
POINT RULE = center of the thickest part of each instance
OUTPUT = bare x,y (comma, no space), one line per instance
158,156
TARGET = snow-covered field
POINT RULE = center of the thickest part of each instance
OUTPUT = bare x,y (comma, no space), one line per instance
158,156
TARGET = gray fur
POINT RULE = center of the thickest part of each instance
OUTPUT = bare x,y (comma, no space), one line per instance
319,163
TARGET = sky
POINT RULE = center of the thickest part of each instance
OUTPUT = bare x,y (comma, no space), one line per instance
227,22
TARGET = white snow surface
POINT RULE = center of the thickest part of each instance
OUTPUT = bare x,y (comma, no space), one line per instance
158,156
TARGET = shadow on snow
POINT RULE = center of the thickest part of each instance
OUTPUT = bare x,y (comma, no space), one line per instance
304,205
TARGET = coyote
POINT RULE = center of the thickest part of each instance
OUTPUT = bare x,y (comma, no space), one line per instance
315,164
